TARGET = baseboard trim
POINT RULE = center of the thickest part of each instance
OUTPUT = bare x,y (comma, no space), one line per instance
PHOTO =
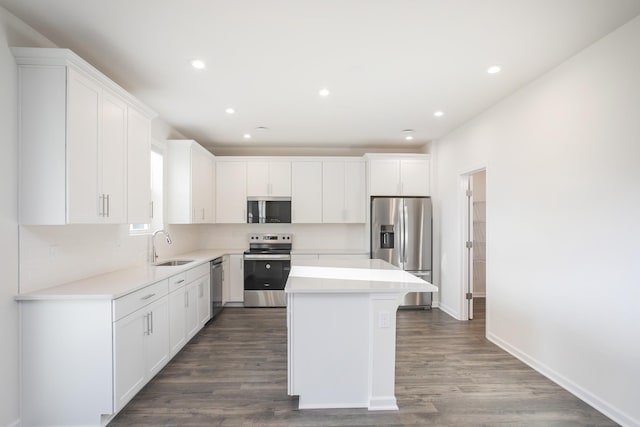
448,310
607,409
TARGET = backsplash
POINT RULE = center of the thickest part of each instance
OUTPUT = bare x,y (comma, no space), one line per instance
306,236
52,255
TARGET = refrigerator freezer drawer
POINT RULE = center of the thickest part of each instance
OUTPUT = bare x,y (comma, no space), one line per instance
418,299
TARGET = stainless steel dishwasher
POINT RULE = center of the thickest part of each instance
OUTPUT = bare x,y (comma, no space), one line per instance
217,275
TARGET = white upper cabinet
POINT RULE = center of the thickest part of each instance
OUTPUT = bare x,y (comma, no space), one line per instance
191,183
398,175
343,191
138,167
112,159
73,127
231,192
268,178
306,192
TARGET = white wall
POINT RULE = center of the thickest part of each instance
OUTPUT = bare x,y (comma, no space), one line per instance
563,265
12,32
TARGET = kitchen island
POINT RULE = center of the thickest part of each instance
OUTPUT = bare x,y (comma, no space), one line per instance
341,342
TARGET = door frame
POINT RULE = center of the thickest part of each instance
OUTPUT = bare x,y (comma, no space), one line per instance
465,204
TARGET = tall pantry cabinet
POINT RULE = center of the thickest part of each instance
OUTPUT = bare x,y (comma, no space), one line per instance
74,141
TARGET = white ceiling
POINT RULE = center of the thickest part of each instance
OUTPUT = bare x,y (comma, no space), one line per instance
389,64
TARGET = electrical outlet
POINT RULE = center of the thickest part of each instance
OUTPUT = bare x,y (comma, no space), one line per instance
53,251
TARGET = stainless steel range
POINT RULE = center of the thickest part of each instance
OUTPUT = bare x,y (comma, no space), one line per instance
267,264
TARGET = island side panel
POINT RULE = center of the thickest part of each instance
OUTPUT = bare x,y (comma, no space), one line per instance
382,351
329,350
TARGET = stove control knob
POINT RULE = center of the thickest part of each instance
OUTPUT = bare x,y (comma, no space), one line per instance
268,266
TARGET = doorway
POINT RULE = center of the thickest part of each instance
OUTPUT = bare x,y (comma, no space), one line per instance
474,245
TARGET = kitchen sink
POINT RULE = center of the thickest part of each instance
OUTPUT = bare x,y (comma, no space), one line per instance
174,263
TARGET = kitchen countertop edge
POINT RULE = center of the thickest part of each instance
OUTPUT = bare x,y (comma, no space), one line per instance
118,283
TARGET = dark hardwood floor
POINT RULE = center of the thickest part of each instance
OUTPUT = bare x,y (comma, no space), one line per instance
234,373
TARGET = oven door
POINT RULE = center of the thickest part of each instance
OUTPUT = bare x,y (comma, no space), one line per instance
265,277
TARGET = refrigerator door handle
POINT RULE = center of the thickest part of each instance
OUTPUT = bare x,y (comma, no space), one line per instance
405,231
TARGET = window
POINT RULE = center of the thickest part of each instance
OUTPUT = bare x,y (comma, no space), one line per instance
157,187
157,170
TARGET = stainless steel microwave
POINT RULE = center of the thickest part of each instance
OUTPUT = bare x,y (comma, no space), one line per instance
273,210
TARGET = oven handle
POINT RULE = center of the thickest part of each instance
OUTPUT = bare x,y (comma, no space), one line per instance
274,257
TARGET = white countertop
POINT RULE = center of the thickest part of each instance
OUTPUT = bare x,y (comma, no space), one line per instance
349,276
122,282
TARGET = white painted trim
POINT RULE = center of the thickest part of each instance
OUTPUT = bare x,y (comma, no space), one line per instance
449,311
581,393
464,219
333,405
383,404
65,57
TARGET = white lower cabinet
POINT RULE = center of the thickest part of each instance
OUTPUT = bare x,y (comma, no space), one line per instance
178,316
233,282
301,259
189,305
204,299
84,359
141,349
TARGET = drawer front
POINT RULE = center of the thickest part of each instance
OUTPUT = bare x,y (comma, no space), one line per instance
177,281
138,299
198,272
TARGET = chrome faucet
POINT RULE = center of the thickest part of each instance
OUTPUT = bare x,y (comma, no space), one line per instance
153,243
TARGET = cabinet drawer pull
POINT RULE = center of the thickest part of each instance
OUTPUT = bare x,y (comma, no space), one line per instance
148,296
179,281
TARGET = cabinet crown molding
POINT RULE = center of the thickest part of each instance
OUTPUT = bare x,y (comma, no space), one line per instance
36,56
397,156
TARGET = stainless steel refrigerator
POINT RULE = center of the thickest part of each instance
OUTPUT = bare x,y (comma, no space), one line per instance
401,234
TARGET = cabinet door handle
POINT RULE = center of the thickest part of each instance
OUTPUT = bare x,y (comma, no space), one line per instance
151,322
146,324
151,206
108,207
147,296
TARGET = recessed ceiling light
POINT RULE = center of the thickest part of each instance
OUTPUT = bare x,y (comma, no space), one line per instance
198,64
494,69
230,111
439,113
247,136
324,92
408,134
